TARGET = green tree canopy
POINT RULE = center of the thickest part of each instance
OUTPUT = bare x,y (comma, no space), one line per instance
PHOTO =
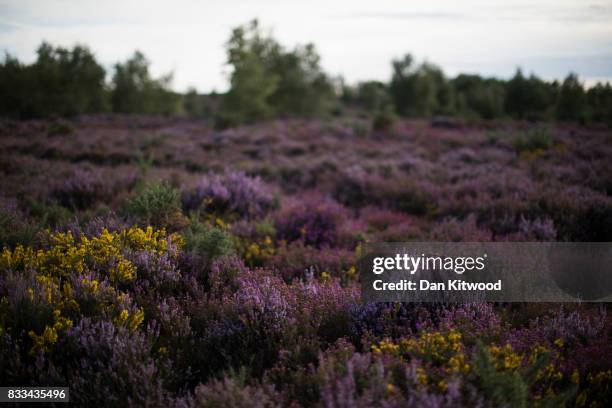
529,98
479,97
571,103
419,90
61,81
268,80
134,91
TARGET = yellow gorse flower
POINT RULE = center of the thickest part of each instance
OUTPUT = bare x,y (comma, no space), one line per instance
442,351
49,336
65,256
256,253
505,357
132,321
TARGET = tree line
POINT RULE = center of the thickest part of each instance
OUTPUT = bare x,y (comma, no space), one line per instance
268,80
422,90
69,82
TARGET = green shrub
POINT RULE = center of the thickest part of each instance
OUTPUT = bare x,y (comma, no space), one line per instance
49,215
144,163
158,204
372,95
383,120
537,139
208,242
360,129
18,228
15,230
226,119
508,388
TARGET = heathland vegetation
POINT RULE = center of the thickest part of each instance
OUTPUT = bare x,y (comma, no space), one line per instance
152,258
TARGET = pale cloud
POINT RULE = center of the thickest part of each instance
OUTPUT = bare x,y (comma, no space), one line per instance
355,38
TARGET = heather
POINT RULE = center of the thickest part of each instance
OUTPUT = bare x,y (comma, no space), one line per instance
151,261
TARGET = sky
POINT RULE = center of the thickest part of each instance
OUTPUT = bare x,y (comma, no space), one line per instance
356,39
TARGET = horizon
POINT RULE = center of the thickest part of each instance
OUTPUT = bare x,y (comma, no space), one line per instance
549,39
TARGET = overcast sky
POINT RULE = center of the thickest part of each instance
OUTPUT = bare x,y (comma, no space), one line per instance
355,38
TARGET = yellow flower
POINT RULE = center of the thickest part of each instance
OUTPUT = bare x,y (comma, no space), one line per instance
91,285
123,316
506,358
50,334
178,240
123,272
512,361
388,347
44,341
421,376
575,376
136,320
66,256
220,223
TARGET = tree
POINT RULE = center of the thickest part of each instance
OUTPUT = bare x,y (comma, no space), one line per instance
571,103
197,105
251,84
134,91
529,98
14,88
303,89
373,95
68,82
267,80
61,81
599,100
418,91
479,97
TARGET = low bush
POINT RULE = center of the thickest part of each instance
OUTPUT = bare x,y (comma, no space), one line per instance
157,204
15,227
59,129
384,121
208,242
533,140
